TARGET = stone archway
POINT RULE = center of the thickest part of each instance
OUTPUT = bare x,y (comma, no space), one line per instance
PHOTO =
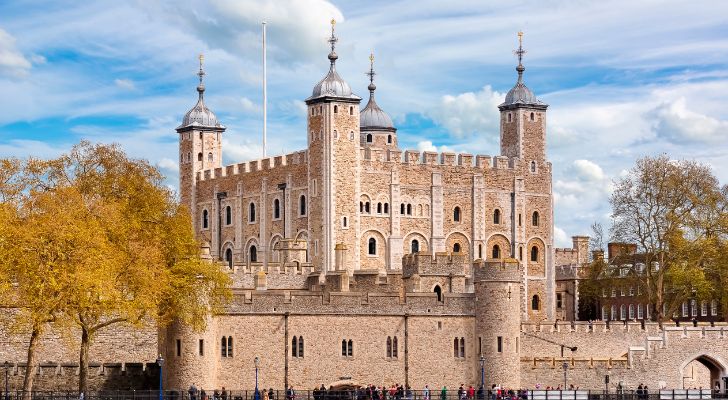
703,370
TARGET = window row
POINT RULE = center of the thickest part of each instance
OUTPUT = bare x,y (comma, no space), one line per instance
370,138
320,110
458,347
188,157
630,291
626,312
365,208
252,212
692,310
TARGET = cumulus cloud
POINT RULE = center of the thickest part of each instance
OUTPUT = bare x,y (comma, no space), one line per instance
12,61
126,84
673,121
469,113
561,239
427,145
168,164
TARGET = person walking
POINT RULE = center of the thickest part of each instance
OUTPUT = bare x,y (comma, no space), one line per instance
426,393
443,393
192,392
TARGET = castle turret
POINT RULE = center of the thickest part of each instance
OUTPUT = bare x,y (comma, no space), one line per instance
497,323
200,148
377,129
333,143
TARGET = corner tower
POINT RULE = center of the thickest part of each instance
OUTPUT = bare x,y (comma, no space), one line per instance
333,170
523,120
377,129
200,146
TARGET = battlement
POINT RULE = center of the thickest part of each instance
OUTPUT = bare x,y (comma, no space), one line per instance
570,271
621,327
507,270
264,164
422,264
414,157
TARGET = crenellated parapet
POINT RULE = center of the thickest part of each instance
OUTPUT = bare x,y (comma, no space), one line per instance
445,264
264,164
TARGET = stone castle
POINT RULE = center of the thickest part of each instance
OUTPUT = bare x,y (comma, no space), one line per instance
358,262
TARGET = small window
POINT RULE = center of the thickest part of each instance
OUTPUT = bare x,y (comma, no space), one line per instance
535,303
438,292
401,209
369,137
179,348
350,348
713,307
496,252
251,213
520,253
559,301
389,139
361,206
343,348
496,217
394,347
302,205
694,308
199,156
347,348
622,312
294,347
345,222
534,253
456,248
409,209
379,208
640,312
456,214
631,311
209,157
534,218
200,137
351,110
703,308
300,347
685,311
336,109
230,346
253,254
229,258
500,344
462,347
276,209
415,246
605,313
228,215
366,207
519,219
205,219
201,347
372,247
386,208
509,117
456,348
533,117
533,166
223,347
480,251
613,313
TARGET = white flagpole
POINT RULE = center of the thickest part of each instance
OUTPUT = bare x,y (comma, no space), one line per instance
265,97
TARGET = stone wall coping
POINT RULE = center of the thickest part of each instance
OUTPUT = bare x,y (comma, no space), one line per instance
412,156
264,164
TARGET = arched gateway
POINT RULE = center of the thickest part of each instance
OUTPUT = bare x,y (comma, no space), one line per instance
704,370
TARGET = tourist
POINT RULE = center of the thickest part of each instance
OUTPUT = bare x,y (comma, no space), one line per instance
471,392
443,393
461,392
271,394
192,392
265,394
426,393
290,394
224,393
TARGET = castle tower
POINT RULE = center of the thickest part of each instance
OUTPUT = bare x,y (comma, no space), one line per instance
497,326
377,129
200,147
333,157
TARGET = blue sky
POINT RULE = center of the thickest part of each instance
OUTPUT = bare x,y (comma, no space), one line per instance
623,78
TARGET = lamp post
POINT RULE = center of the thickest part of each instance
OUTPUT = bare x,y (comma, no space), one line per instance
160,362
256,361
565,365
7,365
482,373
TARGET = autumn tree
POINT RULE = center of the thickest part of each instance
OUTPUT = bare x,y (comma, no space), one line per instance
147,268
672,210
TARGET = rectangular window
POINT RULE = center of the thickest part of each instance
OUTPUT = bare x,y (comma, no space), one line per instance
202,347
631,311
640,312
714,307
703,308
516,344
631,290
500,344
621,292
559,304
480,345
614,292
179,348
694,308
605,313
604,292
685,309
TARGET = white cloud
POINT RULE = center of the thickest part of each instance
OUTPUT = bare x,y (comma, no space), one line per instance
126,84
561,239
168,164
469,113
673,121
12,60
427,145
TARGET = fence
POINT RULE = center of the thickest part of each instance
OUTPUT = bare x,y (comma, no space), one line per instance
363,394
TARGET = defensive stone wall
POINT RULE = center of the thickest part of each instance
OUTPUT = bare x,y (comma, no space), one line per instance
265,164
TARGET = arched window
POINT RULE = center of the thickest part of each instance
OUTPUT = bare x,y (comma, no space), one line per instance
534,253
223,347
520,253
438,292
535,303
631,311
419,210
336,109
276,209
351,110
462,347
456,248
532,117
300,347
294,347
350,348
229,258
343,348
480,251
361,206
622,312
509,117
394,347
372,247
199,156
389,346
415,246
253,254
409,209
401,209
389,139
496,217
228,215
230,346
496,252
369,137
456,348
366,207
613,313
534,219
205,219
456,214
302,205
386,208
251,213
379,208
209,157
533,166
